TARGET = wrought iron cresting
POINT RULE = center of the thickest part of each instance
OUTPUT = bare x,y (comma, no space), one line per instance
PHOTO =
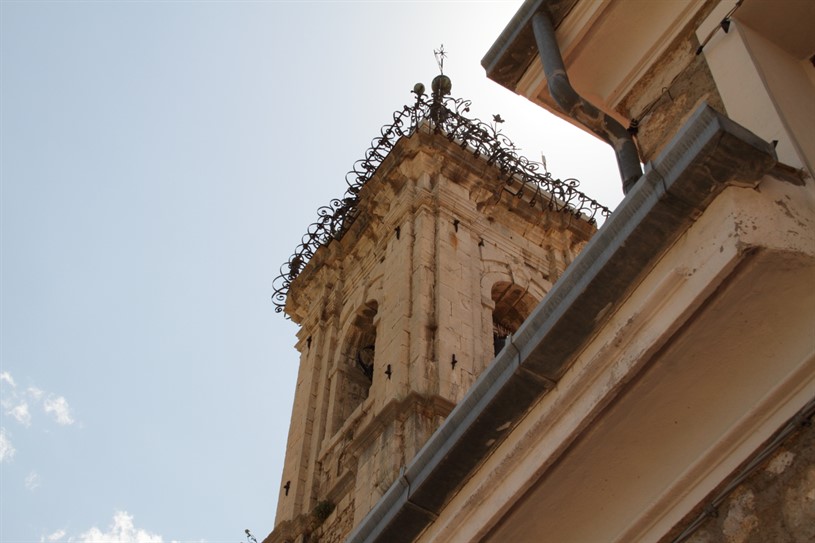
444,115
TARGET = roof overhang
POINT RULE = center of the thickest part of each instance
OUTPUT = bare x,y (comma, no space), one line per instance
710,155
607,47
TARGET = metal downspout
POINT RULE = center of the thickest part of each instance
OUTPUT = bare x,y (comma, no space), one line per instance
576,107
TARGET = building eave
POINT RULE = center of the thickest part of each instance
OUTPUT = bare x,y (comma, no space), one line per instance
608,47
708,155
514,51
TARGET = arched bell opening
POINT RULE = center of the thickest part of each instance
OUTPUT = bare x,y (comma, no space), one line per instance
513,304
356,372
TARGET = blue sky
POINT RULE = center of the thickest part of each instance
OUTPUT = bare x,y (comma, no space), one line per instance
159,161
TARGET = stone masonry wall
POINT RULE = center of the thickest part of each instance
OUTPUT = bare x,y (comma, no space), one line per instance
775,504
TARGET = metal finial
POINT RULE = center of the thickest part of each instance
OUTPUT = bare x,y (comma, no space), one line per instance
440,55
496,120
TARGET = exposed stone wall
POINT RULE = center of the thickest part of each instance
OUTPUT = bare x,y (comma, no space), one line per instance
338,523
664,98
390,446
775,504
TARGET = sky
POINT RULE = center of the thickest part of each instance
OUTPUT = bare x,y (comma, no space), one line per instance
159,162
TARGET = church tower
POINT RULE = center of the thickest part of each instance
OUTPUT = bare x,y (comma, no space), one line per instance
404,291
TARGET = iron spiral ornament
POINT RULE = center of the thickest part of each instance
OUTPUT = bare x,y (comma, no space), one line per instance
439,114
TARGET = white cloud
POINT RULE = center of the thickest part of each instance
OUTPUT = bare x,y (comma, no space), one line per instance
60,408
35,393
32,481
6,376
6,448
18,405
20,414
122,530
52,538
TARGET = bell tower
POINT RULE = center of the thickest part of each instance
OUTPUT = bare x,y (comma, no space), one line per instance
404,290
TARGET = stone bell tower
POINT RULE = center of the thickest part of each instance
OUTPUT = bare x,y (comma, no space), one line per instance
404,289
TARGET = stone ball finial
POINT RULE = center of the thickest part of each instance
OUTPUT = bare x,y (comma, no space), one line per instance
441,85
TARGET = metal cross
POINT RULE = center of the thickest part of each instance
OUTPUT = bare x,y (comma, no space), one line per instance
440,55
